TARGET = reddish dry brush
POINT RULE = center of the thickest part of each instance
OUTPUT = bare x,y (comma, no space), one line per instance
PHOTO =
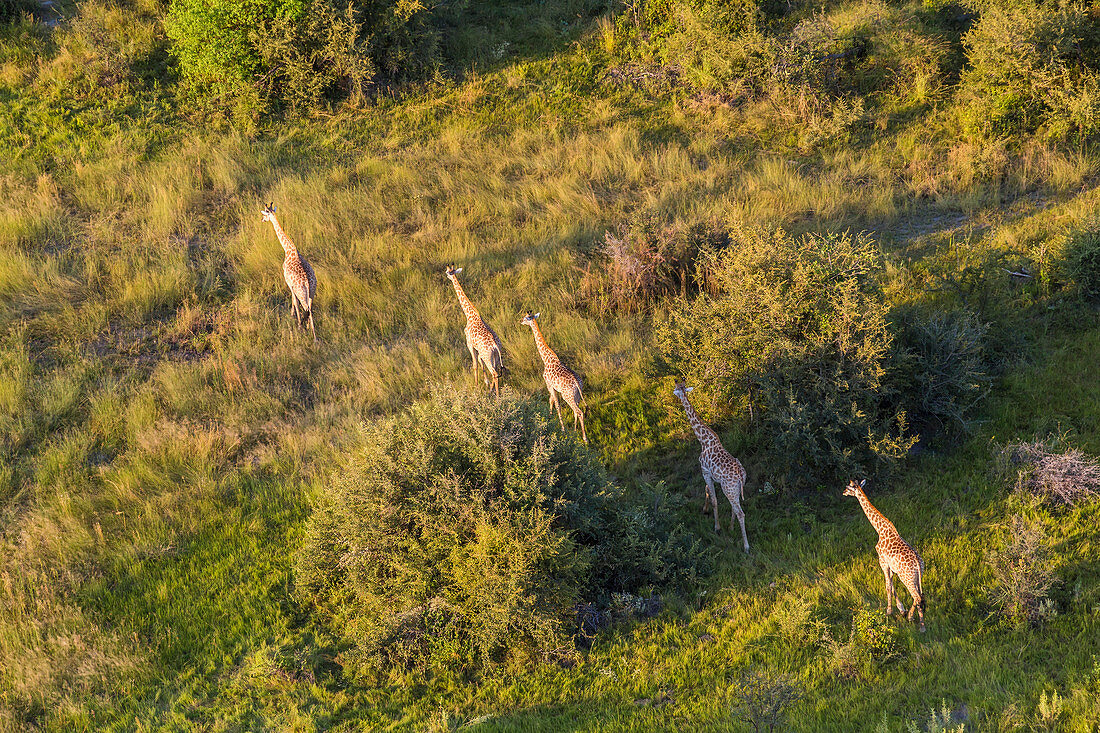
644,260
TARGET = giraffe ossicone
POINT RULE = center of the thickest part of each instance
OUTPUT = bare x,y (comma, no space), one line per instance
717,465
895,557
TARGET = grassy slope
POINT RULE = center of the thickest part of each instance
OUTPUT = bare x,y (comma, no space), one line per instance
146,561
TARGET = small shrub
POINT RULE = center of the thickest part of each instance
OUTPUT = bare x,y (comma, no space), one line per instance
1083,262
468,532
872,641
1061,478
645,260
794,333
1022,574
939,366
1048,713
939,721
762,700
1032,67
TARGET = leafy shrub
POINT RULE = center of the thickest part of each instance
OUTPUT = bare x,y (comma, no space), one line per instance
466,531
644,260
824,73
796,330
711,45
939,366
1032,66
1023,574
1064,477
872,641
297,52
1083,262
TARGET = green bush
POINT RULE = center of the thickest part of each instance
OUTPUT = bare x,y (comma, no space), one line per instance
466,532
796,331
824,75
713,45
939,367
1083,262
1032,67
255,54
872,642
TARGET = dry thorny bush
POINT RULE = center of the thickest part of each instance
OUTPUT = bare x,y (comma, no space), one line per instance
762,700
645,259
1064,478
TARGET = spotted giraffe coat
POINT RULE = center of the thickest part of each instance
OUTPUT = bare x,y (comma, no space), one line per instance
297,273
481,340
559,378
895,557
717,465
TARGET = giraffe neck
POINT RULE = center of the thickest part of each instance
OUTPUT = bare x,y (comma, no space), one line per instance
881,524
702,431
547,354
288,246
467,306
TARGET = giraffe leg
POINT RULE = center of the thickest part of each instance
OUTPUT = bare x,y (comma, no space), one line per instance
889,587
713,501
740,514
496,379
488,367
578,413
294,307
577,416
707,491
473,354
912,583
311,328
557,407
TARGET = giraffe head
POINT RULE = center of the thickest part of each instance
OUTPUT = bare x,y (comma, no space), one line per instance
268,212
529,319
854,489
681,389
451,272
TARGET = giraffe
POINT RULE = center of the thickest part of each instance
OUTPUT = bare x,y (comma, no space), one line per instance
559,378
482,342
296,271
895,556
718,465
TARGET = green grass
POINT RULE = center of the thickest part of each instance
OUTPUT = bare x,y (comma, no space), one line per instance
164,431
